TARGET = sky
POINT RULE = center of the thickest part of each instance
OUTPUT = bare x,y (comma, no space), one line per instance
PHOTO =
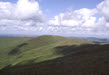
83,18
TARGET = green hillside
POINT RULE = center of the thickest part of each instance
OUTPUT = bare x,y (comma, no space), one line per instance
6,45
53,55
16,51
83,60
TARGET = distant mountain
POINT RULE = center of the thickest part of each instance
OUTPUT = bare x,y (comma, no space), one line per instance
97,40
53,55
94,39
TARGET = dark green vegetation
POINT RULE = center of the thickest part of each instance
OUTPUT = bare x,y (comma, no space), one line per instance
55,55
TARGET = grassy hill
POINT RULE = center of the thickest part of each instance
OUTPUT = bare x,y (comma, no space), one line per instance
21,50
6,45
54,55
87,59
83,60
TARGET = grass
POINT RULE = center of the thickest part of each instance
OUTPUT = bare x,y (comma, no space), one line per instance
6,44
55,55
20,50
86,59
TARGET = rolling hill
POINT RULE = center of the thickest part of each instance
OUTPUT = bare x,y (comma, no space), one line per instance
19,50
54,55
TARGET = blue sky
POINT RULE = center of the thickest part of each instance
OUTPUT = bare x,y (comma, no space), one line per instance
59,17
55,7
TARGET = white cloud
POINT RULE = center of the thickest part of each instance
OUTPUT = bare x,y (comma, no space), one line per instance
90,22
80,20
103,8
27,15
24,12
83,17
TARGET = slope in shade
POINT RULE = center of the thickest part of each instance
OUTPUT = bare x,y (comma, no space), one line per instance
80,60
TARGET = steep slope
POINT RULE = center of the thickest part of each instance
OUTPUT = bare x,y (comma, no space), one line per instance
34,50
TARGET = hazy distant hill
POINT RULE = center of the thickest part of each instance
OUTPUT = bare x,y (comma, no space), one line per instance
95,40
55,55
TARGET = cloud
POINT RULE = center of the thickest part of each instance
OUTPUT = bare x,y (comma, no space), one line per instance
79,17
103,8
24,12
79,20
84,19
27,15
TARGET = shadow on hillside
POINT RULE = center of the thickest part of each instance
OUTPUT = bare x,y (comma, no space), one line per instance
87,59
16,50
65,50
